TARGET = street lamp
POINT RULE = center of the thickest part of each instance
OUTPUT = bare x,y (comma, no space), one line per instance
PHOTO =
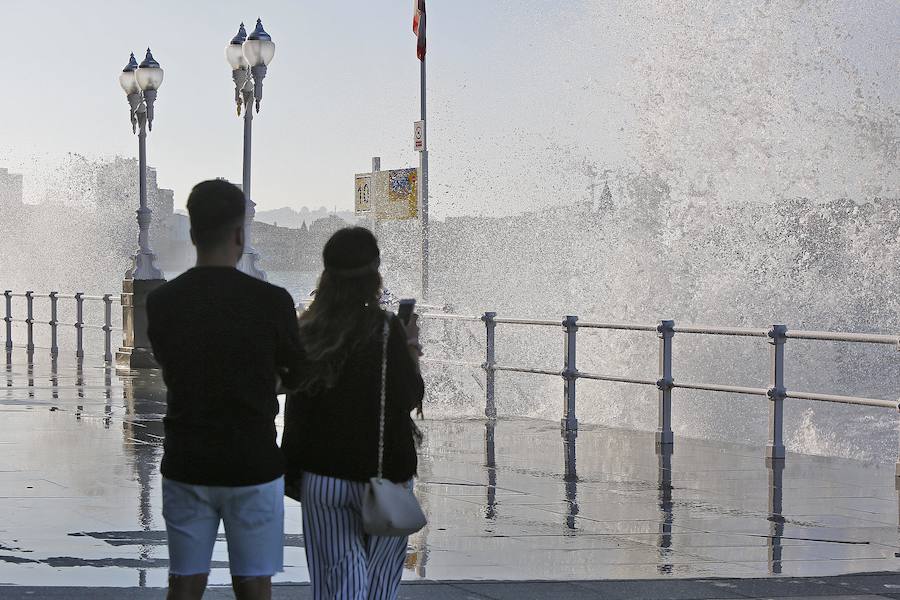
249,57
141,83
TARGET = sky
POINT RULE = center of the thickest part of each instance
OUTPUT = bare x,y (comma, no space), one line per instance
523,94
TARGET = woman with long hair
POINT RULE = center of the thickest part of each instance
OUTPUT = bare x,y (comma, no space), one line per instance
331,434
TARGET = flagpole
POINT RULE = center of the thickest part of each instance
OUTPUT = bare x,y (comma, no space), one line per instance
423,184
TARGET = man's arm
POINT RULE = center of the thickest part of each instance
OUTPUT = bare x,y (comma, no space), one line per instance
153,327
289,354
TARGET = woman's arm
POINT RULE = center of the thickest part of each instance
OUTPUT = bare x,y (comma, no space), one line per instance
412,338
405,370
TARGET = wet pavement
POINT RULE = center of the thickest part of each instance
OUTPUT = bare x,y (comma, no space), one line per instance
515,501
872,586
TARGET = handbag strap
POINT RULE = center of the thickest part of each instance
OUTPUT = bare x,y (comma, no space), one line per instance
384,349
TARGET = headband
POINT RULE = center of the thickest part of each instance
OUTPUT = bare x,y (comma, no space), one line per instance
372,267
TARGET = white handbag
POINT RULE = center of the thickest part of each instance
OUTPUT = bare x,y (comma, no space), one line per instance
389,509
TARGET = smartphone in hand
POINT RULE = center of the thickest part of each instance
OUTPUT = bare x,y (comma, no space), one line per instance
405,310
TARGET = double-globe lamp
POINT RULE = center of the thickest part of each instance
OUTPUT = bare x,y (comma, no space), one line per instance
249,57
251,53
140,83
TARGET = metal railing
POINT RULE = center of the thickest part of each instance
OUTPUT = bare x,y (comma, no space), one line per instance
54,323
776,393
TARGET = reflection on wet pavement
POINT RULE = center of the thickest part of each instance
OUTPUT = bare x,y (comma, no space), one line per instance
80,446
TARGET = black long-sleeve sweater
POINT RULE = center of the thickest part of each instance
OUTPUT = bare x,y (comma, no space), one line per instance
221,338
334,432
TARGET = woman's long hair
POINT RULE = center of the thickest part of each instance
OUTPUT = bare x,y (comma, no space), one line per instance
345,312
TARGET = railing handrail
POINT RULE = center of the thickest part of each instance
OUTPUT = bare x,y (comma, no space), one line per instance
843,336
800,334
723,331
528,321
117,297
776,337
80,298
616,326
449,317
727,389
859,401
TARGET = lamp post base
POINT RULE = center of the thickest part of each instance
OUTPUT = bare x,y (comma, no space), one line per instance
135,358
248,264
145,266
136,352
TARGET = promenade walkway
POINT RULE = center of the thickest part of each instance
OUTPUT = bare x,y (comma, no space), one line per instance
858,587
511,502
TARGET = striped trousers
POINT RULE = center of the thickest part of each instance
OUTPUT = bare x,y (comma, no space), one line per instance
344,562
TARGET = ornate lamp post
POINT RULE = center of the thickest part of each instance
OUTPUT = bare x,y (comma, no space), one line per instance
141,83
249,57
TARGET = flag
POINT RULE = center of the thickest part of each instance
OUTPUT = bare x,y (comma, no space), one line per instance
419,27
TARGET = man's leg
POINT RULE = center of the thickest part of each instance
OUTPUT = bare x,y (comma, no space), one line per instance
254,527
192,524
186,587
252,588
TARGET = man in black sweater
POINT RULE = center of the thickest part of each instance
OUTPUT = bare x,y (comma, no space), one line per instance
223,339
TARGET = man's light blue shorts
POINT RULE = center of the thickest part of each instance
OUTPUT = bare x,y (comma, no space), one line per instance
254,527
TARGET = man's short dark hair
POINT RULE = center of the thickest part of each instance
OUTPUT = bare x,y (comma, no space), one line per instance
216,207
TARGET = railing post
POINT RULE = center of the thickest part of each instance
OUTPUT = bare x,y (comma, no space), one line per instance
665,332
54,323
79,325
666,506
776,393
490,361
490,463
897,482
776,515
8,318
107,327
570,476
29,320
570,374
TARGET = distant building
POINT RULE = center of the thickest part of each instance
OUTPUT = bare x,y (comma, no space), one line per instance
293,219
289,249
606,201
10,189
327,226
117,195
174,247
